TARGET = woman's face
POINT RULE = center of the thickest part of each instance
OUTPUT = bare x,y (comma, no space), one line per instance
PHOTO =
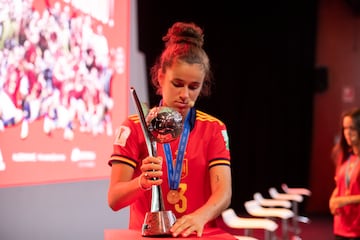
181,85
350,132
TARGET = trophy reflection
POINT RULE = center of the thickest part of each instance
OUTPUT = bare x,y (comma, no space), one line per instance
163,125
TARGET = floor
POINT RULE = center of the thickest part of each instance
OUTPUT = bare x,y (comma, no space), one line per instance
319,228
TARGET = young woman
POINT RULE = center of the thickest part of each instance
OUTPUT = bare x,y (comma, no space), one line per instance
345,200
203,190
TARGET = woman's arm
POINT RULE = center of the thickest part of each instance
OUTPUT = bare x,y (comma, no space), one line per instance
124,189
348,199
332,201
220,199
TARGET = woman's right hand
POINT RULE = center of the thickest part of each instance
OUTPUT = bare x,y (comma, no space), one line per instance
152,173
333,205
336,203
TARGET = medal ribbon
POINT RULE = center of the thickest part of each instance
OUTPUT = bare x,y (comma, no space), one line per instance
349,171
175,174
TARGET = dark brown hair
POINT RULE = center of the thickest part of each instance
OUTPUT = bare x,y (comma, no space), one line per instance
183,42
341,151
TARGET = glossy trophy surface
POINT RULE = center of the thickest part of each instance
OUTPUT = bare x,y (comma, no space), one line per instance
164,124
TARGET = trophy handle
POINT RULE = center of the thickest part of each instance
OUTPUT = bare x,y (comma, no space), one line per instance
151,146
157,202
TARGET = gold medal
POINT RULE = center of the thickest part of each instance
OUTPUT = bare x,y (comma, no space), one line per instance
173,196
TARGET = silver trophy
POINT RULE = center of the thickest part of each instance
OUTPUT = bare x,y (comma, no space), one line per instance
163,125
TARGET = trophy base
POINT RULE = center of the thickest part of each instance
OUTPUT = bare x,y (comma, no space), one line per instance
158,223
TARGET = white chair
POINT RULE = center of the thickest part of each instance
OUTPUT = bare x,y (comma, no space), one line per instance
270,202
232,220
295,199
300,191
245,238
255,209
285,196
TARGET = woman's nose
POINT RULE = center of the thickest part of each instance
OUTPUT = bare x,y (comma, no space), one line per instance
184,92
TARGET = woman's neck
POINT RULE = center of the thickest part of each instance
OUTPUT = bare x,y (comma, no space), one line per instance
356,150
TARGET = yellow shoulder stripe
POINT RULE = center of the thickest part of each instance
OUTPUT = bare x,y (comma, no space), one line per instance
135,118
201,116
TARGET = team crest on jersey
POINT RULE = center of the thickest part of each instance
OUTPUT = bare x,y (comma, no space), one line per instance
226,138
122,135
185,168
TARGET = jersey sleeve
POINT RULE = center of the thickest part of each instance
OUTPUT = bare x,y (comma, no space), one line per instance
219,151
129,137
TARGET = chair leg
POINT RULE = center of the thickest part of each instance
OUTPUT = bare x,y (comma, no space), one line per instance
273,236
268,235
295,218
248,232
285,229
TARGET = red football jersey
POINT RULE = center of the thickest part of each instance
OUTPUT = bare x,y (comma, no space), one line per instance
207,147
347,221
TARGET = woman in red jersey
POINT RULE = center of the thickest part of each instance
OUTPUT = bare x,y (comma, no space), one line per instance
345,200
203,188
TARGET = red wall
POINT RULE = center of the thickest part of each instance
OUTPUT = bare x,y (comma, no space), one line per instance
338,49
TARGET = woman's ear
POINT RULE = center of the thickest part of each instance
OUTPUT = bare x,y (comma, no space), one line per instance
161,76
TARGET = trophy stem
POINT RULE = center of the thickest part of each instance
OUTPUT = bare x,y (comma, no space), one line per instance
157,202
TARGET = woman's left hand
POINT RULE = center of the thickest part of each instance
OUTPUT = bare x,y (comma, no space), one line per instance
187,225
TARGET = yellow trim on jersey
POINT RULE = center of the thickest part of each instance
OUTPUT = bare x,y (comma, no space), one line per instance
123,160
135,118
219,162
201,116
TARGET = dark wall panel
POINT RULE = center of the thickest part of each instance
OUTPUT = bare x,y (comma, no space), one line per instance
263,62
